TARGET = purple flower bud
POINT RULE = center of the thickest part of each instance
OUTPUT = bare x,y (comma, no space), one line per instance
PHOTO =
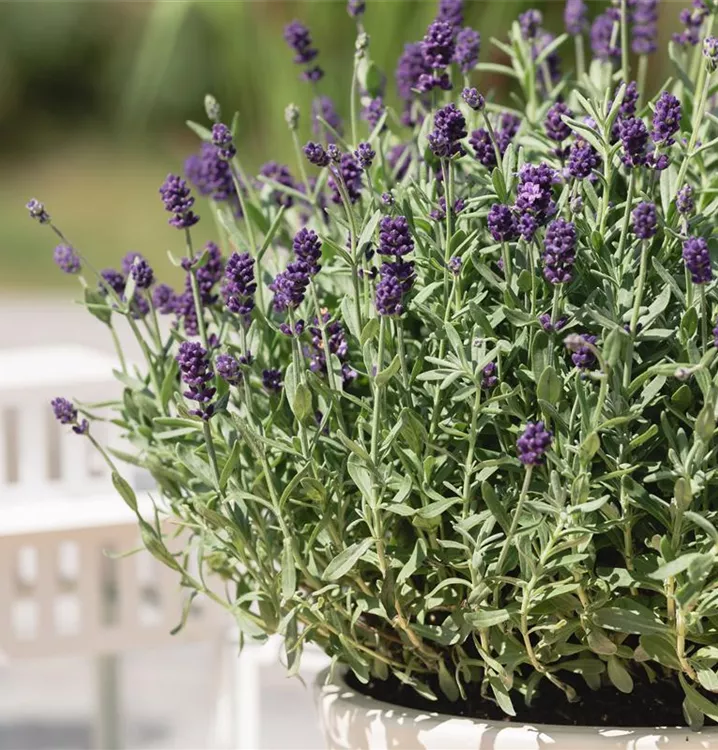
489,379
468,45
530,23
575,17
211,175
527,226
645,220
559,253
551,326
395,237
280,174
409,69
698,260
113,279
582,160
474,99
356,8
535,191
178,201
439,214
645,26
602,37
222,139
634,139
710,52
454,264
438,45
316,154
556,129
582,348
501,223
350,173
66,413
240,285
272,380
365,155
666,119
142,273
684,200
297,36
389,293
308,249
196,372
451,12
692,18
290,286
534,443
387,199
449,129
37,211
324,107
164,299
373,111
228,369
66,259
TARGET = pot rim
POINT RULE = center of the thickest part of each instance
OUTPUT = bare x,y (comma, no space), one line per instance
330,691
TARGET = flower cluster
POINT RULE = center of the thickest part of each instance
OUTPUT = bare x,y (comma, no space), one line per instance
196,373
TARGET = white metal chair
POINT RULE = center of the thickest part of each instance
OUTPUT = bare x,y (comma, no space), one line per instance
60,592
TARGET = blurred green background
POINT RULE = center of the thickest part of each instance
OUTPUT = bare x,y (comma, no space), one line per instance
94,95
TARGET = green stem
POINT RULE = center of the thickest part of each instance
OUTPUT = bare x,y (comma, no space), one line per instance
353,103
626,216
401,347
518,513
580,57
469,463
637,301
118,347
625,57
492,138
339,181
195,294
704,318
211,452
375,428
701,96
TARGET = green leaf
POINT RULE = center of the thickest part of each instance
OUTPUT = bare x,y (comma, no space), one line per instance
97,305
600,643
302,404
447,682
433,510
626,616
486,618
619,675
493,503
362,478
350,317
125,490
661,648
705,706
346,560
388,373
549,386
674,567
230,465
589,448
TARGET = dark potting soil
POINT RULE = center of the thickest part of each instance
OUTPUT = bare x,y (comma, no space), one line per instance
650,704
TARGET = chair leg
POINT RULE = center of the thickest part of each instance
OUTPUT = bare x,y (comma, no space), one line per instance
107,716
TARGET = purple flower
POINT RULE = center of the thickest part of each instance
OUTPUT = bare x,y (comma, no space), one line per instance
142,273
316,154
409,69
645,220
196,373
552,326
164,299
365,155
308,249
114,280
710,52
480,141
228,369
373,111
575,17
290,286
178,201
324,107
240,285
449,129
645,26
439,213
533,444
395,237
692,18
530,23
451,12
666,119
697,259
212,176
454,264
297,36
559,253
338,345
279,173
387,199
389,293
473,98
684,200
468,45
488,378
583,355
222,139
527,226
272,380
634,140
438,46
556,129
506,130
582,159
37,211
501,223
356,8
350,173
66,413
402,271
535,190
66,259
627,107
601,37
209,274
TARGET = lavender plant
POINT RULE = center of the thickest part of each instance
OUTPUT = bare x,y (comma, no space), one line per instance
446,404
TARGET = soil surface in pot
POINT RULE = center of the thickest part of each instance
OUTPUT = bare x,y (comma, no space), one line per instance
650,704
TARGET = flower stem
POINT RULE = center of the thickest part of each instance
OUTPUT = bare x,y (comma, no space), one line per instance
625,56
195,294
469,463
580,56
637,301
375,427
704,318
627,215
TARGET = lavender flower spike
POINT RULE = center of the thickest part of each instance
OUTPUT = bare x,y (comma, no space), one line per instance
666,119
178,201
559,253
698,260
66,413
575,17
196,372
534,443
468,46
37,211
228,369
66,259
240,286
645,220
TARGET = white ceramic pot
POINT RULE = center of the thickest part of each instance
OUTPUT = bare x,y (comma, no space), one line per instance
352,721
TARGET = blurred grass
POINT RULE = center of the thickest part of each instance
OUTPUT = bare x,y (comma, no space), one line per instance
93,97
